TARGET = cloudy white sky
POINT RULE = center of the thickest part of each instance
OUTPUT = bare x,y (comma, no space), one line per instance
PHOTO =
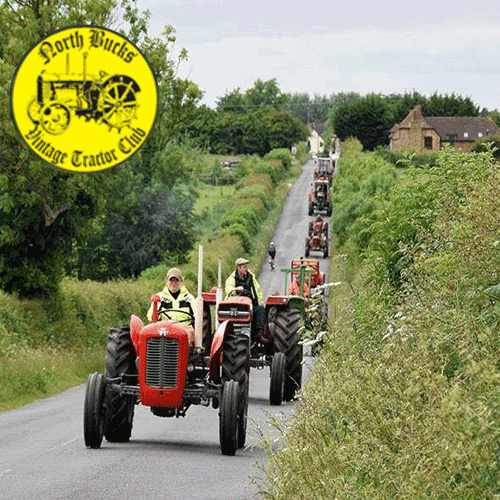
324,47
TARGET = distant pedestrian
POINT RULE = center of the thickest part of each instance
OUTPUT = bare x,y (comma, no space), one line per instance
271,250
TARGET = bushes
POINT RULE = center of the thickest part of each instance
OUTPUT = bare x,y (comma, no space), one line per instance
281,154
359,188
403,402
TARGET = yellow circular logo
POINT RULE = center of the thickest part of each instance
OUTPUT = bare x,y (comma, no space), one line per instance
84,99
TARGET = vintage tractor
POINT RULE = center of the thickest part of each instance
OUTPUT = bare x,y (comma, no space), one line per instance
320,197
324,170
316,279
163,365
104,98
277,347
317,238
316,314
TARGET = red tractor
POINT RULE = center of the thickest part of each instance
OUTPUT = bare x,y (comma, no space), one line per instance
278,347
317,238
320,197
163,365
317,278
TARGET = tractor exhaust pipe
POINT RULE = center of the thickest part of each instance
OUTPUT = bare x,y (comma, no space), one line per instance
198,322
218,293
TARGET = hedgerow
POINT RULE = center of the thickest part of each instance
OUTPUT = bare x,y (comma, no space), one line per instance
404,399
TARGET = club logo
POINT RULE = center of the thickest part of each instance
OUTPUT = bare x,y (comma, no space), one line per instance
84,99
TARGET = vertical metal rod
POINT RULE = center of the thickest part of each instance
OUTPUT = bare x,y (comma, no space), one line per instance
198,323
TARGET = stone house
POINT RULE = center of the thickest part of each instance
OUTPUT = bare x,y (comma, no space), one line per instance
429,133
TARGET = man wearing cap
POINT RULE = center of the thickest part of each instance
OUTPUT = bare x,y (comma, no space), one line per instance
175,297
243,282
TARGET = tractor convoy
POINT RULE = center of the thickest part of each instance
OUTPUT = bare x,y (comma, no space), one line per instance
168,366
320,203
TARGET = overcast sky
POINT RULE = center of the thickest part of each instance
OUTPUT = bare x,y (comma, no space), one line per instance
325,47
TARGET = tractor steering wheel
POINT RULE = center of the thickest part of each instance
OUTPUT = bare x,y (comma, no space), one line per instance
189,318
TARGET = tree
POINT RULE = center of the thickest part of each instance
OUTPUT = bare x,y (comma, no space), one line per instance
158,226
45,213
368,119
254,122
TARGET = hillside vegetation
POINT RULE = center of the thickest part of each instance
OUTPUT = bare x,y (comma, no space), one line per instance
404,400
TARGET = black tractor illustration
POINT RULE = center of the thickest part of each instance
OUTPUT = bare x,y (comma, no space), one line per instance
108,99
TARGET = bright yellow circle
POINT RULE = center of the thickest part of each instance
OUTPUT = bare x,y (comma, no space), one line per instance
84,99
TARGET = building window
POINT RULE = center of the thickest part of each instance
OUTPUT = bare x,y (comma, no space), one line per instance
466,135
428,142
480,134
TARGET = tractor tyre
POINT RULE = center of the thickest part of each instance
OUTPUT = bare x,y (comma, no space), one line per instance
236,358
120,359
236,366
325,229
228,417
243,412
287,341
311,208
277,385
207,328
325,250
306,249
93,410
329,209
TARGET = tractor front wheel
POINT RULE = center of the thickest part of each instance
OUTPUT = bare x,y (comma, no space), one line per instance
277,386
287,341
228,418
93,410
236,366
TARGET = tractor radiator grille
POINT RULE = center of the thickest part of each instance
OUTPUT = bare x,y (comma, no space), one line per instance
162,355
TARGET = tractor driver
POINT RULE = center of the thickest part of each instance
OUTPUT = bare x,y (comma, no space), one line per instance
243,282
175,297
294,286
318,224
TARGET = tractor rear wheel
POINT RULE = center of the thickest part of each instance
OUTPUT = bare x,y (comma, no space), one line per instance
228,417
120,360
93,410
286,340
277,385
306,249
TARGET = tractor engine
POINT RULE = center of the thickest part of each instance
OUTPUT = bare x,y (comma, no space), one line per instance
163,350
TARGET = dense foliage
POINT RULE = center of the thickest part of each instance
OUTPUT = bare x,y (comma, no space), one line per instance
251,122
403,402
371,117
50,219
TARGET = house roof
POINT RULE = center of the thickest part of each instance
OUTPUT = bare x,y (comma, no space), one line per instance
461,128
448,128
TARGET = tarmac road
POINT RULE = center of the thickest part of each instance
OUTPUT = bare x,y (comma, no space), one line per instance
43,455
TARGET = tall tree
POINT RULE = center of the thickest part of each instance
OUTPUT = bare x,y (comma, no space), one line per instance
44,211
368,119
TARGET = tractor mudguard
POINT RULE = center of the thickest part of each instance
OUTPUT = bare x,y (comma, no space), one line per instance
135,329
216,351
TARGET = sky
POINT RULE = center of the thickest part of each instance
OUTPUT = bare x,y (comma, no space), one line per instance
323,47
